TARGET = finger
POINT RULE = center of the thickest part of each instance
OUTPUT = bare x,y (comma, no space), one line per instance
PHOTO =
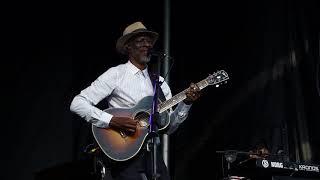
189,90
192,86
195,87
188,94
130,126
193,91
131,129
136,122
131,121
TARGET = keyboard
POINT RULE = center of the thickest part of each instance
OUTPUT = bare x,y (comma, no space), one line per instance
267,167
289,166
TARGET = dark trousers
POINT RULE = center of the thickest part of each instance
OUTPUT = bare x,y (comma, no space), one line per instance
139,167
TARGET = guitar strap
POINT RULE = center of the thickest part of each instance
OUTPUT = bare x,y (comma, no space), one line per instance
161,94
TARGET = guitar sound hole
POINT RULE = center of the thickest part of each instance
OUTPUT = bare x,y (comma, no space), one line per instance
143,118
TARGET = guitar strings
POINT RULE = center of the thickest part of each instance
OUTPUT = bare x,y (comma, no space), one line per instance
143,116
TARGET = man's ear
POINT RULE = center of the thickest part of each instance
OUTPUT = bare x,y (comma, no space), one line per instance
127,47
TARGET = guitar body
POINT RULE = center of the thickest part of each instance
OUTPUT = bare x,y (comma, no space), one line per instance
120,146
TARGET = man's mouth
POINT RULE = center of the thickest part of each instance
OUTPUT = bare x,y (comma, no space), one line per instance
144,52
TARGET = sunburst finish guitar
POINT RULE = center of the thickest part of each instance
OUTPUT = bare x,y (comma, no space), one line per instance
120,146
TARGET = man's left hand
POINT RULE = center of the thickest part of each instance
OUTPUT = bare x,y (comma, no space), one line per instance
193,93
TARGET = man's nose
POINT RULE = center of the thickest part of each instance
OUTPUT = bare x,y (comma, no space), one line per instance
147,43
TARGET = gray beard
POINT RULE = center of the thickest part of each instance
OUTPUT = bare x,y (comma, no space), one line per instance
145,59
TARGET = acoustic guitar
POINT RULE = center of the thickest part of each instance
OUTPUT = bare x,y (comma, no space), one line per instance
119,146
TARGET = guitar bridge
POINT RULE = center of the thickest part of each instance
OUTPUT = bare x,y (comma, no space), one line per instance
143,124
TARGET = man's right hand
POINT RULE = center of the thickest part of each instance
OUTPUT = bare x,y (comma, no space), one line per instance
123,124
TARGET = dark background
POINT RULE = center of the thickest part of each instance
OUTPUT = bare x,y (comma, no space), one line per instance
270,50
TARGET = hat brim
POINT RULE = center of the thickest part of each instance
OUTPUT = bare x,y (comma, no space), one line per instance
123,40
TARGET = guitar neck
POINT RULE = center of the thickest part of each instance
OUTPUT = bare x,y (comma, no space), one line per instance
179,97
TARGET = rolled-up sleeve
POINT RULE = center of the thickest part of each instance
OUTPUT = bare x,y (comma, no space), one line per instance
179,114
84,103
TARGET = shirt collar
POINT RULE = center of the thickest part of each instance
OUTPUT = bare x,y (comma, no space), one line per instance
134,70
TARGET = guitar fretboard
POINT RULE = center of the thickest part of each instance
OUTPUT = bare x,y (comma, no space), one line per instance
179,97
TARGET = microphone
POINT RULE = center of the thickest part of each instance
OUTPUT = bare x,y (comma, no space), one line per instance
153,52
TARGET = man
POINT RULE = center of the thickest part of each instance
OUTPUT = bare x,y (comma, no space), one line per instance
124,86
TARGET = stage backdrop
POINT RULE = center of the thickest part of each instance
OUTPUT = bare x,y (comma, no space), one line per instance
270,49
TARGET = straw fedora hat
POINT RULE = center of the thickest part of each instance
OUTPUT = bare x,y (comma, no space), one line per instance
133,30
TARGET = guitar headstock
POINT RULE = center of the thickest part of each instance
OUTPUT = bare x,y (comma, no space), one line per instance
217,78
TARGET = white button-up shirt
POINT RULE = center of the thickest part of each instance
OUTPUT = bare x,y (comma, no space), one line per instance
123,86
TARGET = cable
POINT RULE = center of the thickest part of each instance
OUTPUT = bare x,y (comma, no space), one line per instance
164,78
317,68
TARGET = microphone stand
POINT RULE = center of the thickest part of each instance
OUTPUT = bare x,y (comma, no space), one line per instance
230,157
154,119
